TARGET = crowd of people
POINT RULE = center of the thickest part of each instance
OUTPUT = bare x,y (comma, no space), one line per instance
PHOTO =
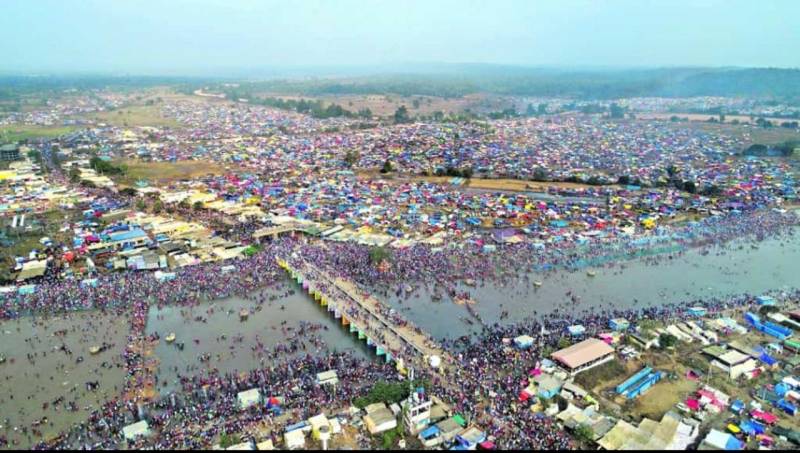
479,374
303,167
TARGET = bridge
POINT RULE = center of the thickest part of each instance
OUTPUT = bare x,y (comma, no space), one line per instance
394,337
275,231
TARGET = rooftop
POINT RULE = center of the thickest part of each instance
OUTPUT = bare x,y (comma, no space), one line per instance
582,353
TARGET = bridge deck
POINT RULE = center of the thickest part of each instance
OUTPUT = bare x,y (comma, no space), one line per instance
387,328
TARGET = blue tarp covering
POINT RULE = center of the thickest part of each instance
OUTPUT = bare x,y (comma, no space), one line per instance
431,431
633,379
299,425
765,300
576,330
787,407
645,384
127,235
767,359
751,427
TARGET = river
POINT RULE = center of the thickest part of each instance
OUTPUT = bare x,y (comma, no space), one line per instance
734,269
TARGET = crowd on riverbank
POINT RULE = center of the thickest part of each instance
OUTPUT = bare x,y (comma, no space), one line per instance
413,265
479,373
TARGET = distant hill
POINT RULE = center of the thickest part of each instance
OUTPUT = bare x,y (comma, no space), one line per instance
774,83
453,80
459,80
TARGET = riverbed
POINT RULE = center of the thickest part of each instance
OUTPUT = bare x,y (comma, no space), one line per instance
292,323
57,372
730,270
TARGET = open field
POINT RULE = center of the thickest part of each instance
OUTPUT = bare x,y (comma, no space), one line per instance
507,185
18,132
749,134
706,116
134,115
165,172
167,94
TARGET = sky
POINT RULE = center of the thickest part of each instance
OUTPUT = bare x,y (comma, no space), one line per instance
204,37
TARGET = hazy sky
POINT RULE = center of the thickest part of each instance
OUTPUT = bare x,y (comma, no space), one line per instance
203,36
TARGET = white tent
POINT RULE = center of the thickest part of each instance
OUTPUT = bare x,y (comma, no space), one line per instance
135,430
328,377
295,439
248,398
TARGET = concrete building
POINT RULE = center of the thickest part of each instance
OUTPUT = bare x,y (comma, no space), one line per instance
733,362
584,355
418,414
9,152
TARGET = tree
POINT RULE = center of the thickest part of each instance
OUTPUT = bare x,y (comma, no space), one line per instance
766,124
198,205
542,109
415,103
690,186
767,309
74,174
128,191
227,440
140,205
379,254
530,111
351,157
584,433
452,171
158,206
103,167
616,111
540,174
711,190
624,180
666,340
35,155
672,171
401,115
387,166
756,149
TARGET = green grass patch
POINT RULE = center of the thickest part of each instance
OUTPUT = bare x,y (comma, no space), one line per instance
600,374
135,115
165,171
19,132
